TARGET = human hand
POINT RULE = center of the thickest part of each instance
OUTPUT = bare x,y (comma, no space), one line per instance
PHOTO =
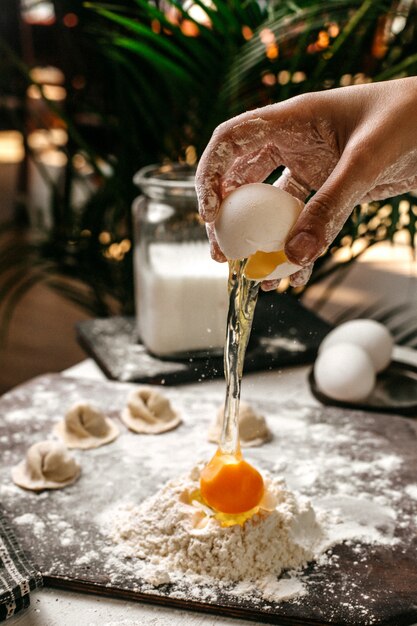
349,145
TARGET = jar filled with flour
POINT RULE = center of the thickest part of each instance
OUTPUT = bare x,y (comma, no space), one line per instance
180,292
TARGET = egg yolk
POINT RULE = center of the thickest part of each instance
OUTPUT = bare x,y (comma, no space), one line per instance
261,264
229,484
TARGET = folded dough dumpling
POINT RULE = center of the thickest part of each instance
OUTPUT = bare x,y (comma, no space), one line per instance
148,411
48,465
253,429
84,426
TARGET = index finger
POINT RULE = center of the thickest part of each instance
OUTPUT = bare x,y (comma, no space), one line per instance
243,136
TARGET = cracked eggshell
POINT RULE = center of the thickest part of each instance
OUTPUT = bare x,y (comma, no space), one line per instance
257,217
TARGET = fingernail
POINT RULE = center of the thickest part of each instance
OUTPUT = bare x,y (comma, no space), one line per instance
303,248
269,285
301,277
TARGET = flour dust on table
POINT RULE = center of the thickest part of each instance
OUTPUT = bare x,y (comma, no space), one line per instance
335,548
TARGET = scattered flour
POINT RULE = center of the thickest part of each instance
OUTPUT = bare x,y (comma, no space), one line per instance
171,537
86,558
15,416
67,537
411,491
32,521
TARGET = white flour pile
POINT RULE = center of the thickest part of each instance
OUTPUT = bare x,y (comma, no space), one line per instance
172,537
167,539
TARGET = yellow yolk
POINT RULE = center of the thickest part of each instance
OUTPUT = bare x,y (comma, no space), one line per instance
261,264
229,484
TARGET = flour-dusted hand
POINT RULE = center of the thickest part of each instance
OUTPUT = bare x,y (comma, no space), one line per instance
349,145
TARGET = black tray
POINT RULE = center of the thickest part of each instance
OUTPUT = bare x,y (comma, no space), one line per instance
284,333
395,392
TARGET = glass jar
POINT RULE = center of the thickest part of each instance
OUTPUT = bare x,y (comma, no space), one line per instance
180,292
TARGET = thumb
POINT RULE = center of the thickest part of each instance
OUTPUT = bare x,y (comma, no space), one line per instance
324,215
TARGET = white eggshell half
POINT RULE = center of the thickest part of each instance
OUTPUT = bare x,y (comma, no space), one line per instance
282,271
344,372
372,336
257,217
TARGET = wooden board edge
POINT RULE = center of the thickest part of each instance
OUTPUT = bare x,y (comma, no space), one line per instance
55,582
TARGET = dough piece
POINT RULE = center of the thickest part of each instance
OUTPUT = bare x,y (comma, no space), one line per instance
149,412
86,427
47,465
253,429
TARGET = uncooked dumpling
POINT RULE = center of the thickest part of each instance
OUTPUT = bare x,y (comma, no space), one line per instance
47,465
86,427
253,429
149,412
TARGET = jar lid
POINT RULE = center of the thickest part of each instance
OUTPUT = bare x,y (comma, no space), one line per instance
161,181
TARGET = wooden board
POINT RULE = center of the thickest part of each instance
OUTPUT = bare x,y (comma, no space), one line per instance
361,585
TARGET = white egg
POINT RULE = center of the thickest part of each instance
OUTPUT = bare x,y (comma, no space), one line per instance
370,335
257,217
344,372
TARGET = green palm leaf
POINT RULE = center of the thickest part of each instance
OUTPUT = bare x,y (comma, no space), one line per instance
155,91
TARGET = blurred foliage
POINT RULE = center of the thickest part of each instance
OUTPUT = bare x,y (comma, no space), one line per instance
148,82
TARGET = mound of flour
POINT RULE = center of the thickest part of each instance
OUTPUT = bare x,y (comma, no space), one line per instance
171,535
